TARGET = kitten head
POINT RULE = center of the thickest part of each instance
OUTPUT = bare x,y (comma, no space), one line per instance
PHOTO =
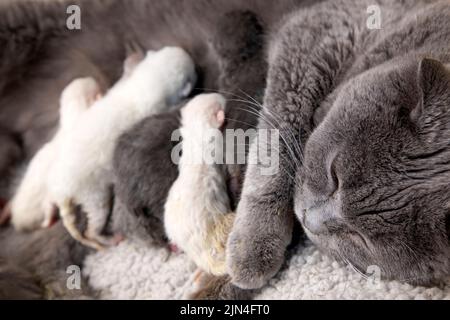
76,98
169,73
205,111
374,189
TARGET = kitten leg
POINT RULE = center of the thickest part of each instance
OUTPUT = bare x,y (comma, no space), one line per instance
69,219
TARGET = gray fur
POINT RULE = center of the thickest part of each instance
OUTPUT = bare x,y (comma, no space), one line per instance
144,174
35,264
18,284
371,176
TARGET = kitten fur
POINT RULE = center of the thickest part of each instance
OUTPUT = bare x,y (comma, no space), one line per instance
142,167
83,170
30,206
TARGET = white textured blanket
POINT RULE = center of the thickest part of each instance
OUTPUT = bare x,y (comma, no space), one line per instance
130,271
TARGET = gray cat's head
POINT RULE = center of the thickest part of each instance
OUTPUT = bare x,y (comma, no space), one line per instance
375,187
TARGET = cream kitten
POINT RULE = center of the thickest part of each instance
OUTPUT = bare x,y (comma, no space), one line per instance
197,216
83,174
30,203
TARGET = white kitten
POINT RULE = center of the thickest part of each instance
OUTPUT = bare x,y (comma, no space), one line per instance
197,214
30,203
83,172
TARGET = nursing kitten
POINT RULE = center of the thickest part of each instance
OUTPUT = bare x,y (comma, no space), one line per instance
143,175
236,42
197,213
82,175
30,207
364,157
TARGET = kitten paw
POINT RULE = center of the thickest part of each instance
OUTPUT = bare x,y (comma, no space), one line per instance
252,259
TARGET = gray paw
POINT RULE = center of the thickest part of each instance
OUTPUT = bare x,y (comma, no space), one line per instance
253,258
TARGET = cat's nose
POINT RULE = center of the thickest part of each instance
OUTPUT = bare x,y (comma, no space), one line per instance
317,213
315,221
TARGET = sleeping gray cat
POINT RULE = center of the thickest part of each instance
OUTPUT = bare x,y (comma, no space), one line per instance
329,43
365,160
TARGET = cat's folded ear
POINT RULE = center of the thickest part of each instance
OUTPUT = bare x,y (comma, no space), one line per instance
433,80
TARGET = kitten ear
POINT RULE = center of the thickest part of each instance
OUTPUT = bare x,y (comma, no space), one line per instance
131,62
220,117
433,81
